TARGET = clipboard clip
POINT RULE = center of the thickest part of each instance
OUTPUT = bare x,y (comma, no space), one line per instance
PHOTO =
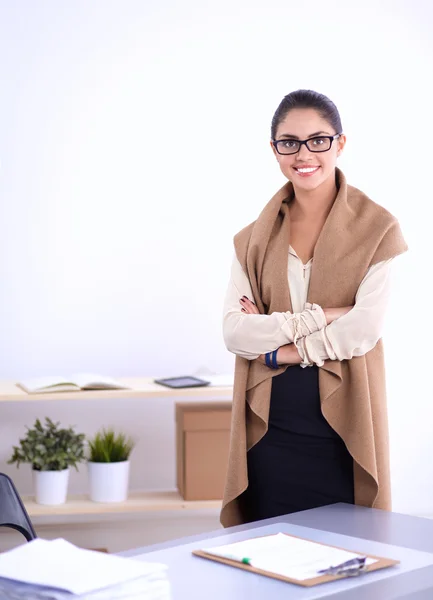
349,568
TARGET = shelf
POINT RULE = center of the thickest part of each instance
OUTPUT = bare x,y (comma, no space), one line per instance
136,502
139,387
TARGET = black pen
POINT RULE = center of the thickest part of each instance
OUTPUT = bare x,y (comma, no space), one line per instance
354,564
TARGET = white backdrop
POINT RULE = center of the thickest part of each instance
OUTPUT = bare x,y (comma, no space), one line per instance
134,144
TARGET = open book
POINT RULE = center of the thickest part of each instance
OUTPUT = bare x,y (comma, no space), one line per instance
80,381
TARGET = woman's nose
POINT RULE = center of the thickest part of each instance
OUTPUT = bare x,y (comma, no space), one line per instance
303,152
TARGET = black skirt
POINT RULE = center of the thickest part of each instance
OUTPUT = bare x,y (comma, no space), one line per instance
301,462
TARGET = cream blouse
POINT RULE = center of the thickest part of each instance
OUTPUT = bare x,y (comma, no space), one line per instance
353,334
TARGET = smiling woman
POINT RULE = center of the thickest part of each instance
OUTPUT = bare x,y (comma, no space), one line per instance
303,313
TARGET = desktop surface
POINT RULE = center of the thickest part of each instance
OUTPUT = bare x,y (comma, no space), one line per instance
354,527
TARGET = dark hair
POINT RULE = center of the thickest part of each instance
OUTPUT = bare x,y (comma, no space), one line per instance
307,99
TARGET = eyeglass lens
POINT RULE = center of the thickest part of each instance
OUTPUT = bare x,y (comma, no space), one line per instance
318,144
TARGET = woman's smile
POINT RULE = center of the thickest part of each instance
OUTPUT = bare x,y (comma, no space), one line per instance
305,171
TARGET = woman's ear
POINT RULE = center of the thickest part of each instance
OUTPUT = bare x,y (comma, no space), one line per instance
273,150
341,143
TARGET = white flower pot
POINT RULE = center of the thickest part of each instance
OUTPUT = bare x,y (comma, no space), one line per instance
51,487
108,482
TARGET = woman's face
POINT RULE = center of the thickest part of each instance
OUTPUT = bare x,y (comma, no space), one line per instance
307,170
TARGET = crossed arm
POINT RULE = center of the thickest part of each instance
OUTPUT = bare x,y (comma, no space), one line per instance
289,353
313,335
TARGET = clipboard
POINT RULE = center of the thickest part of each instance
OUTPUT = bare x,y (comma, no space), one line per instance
381,563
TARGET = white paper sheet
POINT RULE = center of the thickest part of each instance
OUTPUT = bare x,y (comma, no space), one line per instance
59,564
136,589
286,555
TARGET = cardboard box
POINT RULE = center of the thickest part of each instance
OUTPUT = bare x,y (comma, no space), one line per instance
202,448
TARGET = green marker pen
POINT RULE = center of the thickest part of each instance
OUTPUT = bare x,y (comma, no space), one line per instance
243,560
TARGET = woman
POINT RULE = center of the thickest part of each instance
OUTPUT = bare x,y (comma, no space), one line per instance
303,313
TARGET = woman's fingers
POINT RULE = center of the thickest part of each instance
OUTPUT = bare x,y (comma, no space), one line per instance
248,306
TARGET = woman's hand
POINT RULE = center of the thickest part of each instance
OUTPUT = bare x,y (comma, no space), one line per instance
331,314
286,355
248,307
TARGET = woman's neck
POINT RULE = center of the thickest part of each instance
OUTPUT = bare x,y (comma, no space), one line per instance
314,204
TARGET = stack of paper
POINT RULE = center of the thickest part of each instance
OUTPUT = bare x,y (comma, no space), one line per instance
58,570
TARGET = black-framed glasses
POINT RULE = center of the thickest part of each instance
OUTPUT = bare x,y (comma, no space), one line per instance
314,144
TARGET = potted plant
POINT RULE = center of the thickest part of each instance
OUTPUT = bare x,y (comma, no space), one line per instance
50,450
108,466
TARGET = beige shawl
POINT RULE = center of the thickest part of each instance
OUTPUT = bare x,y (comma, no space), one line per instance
357,234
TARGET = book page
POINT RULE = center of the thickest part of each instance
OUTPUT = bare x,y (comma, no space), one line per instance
93,381
285,555
47,384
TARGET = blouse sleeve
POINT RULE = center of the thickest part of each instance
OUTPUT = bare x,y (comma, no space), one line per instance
357,332
251,335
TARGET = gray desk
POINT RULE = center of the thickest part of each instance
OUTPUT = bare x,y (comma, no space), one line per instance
195,578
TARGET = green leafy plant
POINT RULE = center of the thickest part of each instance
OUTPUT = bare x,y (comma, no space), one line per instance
49,447
109,447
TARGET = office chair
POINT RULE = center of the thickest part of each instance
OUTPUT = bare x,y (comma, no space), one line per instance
12,511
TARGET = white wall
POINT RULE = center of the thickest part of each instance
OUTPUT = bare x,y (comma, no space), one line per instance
134,144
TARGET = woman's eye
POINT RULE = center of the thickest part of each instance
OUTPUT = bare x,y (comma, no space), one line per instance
318,141
290,143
